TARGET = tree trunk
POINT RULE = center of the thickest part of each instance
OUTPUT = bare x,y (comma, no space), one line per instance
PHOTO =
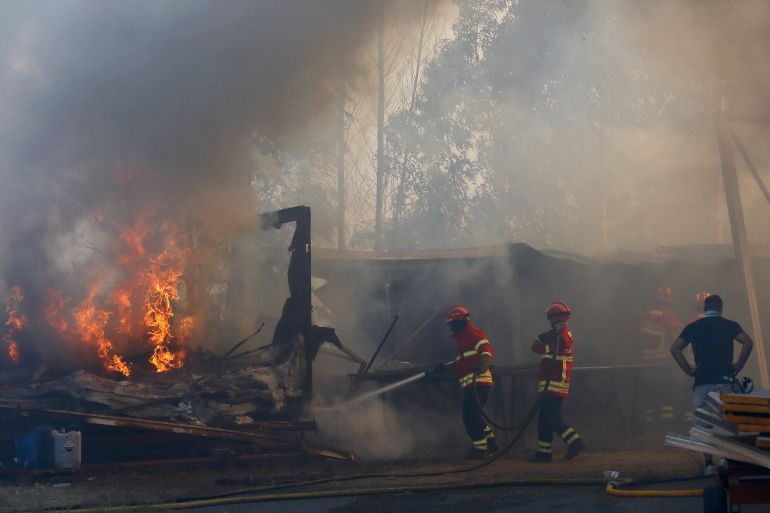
341,166
380,129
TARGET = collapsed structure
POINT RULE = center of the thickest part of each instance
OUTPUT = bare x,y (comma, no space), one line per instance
244,396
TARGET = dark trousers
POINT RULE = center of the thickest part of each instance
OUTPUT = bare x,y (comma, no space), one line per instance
475,425
549,421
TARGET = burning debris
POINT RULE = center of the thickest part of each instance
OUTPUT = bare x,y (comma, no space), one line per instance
132,303
135,319
15,322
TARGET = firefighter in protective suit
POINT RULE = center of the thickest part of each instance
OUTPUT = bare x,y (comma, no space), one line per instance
472,367
556,358
659,327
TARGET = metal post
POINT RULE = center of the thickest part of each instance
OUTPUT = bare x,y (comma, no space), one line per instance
738,230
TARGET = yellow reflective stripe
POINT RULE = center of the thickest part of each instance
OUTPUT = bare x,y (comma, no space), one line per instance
544,445
558,358
484,377
481,343
572,439
566,433
553,387
486,353
466,354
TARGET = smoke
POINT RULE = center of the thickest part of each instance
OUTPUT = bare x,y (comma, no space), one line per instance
149,112
158,101
399,428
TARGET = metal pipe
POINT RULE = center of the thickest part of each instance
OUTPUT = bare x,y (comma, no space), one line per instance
382,343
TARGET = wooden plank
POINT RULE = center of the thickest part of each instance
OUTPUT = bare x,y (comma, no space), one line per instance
156,425
753,428
761,397
750,408
747,419
763,442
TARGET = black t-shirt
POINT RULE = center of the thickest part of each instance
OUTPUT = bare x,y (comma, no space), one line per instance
712,344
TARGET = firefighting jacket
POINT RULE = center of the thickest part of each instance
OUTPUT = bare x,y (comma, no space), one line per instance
555,350
658,328
472,343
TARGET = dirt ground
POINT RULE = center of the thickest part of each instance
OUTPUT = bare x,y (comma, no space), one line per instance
105,488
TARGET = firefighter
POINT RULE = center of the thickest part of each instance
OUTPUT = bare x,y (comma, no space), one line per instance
472,368
555,348
659,327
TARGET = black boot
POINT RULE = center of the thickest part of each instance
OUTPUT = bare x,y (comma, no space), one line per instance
575,448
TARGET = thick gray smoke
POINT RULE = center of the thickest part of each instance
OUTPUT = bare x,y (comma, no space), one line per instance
158,101
117,112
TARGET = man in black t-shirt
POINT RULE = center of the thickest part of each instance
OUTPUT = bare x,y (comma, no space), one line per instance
712,339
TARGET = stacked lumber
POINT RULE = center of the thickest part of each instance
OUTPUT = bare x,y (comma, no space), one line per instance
733,426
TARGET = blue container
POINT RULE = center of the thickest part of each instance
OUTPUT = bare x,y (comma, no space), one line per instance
35,448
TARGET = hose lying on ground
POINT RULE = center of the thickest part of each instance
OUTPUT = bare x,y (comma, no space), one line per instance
612,489
355,492
327,494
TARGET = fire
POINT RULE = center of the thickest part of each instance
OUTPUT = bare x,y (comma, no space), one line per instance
122,300
134,300
162,278
90,322
15,322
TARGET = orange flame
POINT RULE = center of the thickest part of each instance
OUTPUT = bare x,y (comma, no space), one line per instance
90,322
122,300
15,322
152,259
163,277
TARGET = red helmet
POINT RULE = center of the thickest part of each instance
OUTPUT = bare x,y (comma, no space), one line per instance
557,311
665,294
457,313
700,300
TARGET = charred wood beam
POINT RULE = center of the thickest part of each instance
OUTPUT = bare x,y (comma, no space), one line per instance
156,425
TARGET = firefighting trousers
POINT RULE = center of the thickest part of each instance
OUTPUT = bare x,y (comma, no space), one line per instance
549,421
475,425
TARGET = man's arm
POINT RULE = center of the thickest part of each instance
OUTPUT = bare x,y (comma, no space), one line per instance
746,346
676,351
